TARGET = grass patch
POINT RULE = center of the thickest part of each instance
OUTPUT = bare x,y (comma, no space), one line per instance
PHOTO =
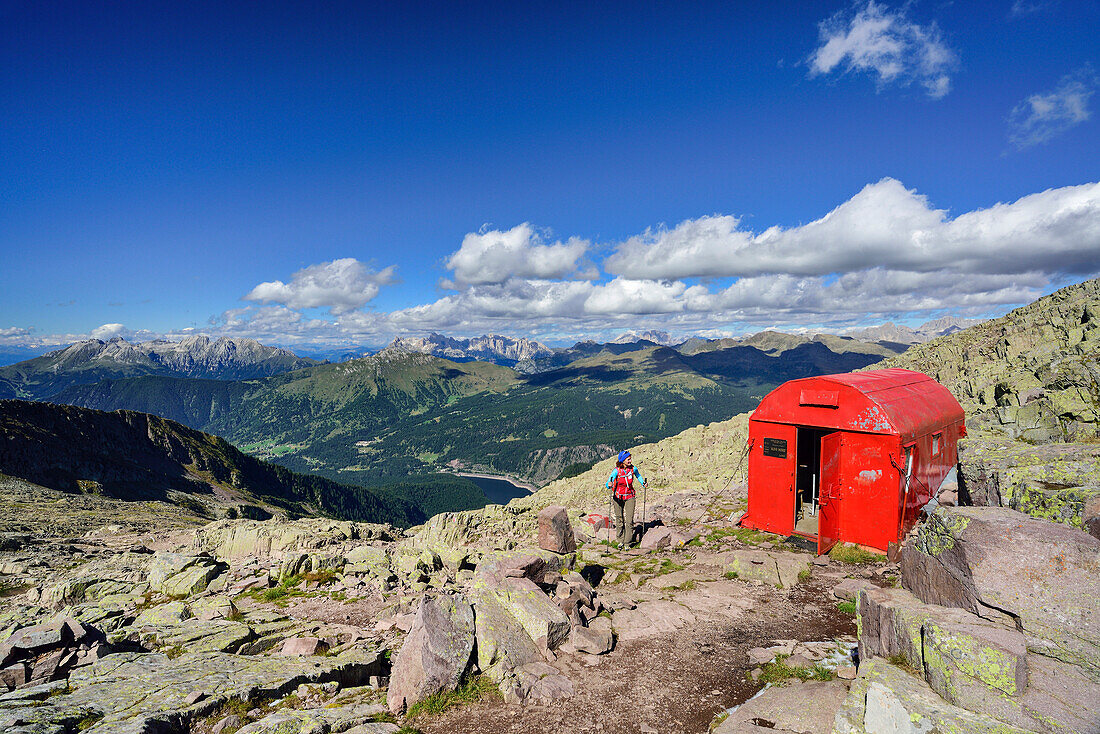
279,595
670,566
321,578
778,671
471,690
718,720
89,721
853,554
173,652
847,607
682,521
804,574
730,574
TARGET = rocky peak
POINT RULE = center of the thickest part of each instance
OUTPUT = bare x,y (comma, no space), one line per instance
1031,374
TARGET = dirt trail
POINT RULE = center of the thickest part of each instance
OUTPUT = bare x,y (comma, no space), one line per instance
675,682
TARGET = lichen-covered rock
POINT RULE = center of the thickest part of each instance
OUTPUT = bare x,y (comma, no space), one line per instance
191,635
884,699
545,623
435,654
170,613
502,642
996,561
369,560
1053,482
317,721
179,575
239,539
134,693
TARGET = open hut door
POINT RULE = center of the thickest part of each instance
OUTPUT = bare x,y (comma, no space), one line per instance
828,521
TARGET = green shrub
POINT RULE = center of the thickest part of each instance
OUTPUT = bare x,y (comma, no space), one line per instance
847,607
804,575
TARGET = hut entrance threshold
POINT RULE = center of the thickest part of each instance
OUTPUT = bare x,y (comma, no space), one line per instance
808,481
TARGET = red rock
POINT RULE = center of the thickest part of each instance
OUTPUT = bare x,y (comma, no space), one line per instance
555,532
303,646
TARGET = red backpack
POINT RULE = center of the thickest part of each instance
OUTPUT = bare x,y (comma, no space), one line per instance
624,484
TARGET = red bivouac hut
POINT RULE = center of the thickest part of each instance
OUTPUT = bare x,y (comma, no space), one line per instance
850,457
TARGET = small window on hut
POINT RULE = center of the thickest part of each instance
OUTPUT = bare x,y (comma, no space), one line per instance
937,443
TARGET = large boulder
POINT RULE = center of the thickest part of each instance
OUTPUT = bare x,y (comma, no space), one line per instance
1054,482
435,654
555,532
775,568
543,620
885,699
808,708
994,562
502,642
978,664
179,575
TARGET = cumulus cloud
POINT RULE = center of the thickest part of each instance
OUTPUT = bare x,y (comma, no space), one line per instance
14,331
1045,115
494,256
341,285
884,225
886,44
885,254
110,331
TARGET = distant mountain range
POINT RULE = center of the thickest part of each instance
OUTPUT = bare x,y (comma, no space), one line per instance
398,413
93,360
899,334
493,348
654,337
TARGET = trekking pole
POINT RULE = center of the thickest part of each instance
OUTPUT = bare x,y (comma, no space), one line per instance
610,495
644,488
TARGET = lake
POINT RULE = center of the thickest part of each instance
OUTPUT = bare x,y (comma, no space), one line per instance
499,491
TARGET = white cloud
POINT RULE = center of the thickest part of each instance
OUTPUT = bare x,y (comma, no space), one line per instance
884,225
1043,116
494,256
341,285
1020,8
110,331
14,331
885,254
885,43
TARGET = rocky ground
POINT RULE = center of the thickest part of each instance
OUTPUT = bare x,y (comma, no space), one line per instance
309,626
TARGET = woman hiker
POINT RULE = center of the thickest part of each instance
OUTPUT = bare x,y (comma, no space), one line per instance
621,484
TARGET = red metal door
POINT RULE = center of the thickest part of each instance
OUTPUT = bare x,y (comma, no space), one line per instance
771,477
828,518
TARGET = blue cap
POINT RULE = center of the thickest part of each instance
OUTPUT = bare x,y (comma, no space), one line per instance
624,455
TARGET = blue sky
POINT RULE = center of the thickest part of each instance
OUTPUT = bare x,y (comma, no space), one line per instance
337,175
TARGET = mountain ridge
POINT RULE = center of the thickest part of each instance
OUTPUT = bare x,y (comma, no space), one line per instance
92,360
